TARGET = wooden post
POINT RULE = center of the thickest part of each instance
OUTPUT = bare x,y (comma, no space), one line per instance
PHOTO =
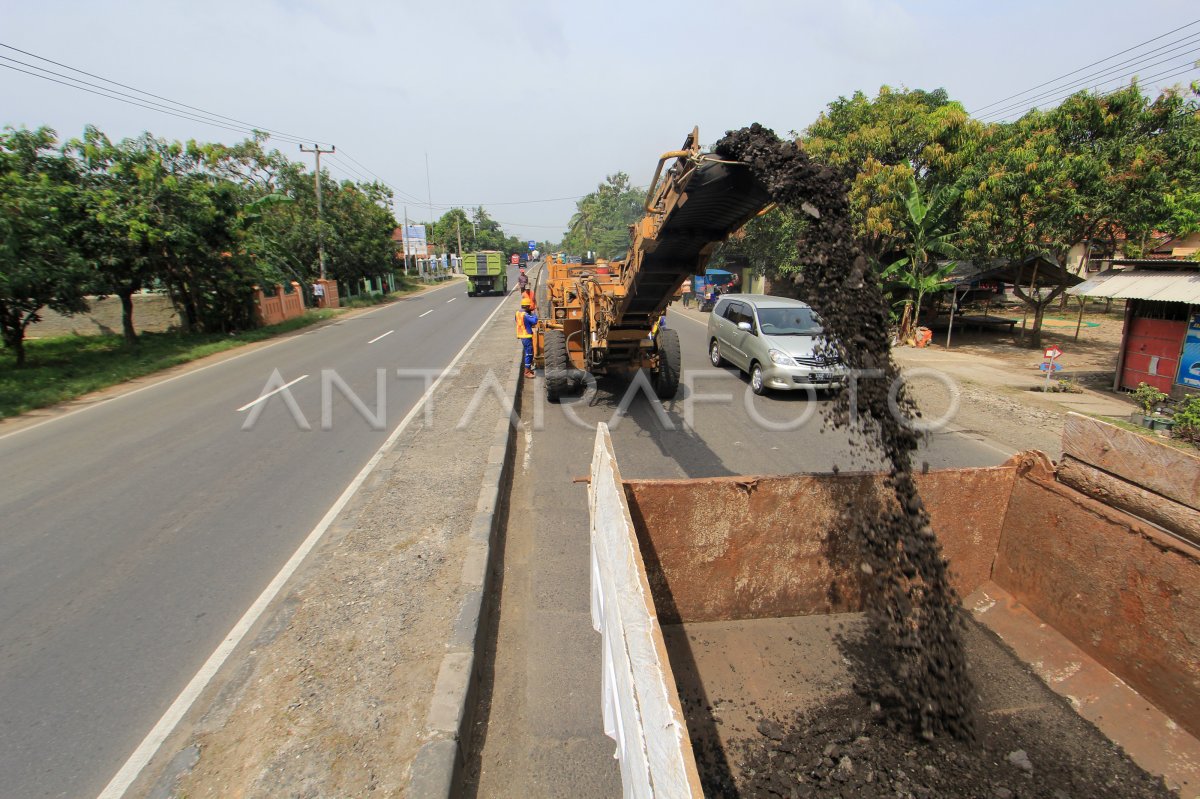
953,302
1079,321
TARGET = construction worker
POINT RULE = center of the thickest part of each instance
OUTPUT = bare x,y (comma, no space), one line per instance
527,319
523,281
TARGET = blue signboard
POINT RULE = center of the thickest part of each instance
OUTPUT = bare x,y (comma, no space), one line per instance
533,245
1189,359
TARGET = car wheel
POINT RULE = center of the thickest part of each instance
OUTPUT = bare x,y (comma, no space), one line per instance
714,354
756,380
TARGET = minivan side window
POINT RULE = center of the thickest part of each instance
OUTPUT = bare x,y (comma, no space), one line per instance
730,311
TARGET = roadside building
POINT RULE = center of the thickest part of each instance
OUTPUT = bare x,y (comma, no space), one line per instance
1160,341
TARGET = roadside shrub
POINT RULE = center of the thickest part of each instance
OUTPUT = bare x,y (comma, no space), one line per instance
1187,420
1148,396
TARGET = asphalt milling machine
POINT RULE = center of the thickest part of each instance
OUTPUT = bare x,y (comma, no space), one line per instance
604,318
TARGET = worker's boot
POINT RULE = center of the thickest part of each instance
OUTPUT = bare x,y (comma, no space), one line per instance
530,373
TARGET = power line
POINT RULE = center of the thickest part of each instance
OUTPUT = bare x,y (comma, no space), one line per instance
1089,66
281,134
129,102
1103,77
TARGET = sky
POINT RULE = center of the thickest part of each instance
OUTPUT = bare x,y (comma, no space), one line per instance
518,104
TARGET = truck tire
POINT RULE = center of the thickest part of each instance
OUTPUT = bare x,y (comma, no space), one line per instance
557,364
666,382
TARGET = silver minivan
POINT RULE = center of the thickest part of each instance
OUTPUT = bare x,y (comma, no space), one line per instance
776,340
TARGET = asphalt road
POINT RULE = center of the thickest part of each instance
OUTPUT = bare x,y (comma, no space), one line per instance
137,532
543,735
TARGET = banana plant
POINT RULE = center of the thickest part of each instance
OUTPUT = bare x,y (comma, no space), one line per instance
926,224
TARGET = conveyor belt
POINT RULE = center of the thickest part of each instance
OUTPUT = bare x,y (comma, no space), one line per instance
721,197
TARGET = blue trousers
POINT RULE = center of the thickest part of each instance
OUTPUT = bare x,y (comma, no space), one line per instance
527,345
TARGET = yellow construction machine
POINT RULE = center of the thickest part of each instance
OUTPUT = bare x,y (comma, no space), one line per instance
603,317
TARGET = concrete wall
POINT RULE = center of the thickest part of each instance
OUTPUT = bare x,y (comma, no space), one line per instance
152,313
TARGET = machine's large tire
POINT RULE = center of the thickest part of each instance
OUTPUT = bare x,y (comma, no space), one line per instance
557,364
666,382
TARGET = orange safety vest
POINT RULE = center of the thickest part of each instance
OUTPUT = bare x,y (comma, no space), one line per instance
522,331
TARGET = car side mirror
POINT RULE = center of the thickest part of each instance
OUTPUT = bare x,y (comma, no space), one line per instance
745,326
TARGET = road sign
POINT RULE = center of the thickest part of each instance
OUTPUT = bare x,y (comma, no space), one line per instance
1053,352
1045,366
533,245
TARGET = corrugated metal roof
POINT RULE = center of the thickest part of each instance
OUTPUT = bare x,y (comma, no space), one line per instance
1142,284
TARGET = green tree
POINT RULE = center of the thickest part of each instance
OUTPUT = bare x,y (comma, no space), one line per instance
40,266
602,218
926,234
885,142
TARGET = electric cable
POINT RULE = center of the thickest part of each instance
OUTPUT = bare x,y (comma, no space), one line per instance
1088,66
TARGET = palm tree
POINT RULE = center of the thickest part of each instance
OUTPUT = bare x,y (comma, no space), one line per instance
584,221
926,228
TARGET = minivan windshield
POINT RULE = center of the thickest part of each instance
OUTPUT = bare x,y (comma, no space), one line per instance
788,322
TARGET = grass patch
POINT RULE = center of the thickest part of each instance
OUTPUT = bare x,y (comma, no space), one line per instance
65,367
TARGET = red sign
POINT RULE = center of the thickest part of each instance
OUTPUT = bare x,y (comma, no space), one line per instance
1053,352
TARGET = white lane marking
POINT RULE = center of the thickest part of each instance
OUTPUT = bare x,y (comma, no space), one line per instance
372,341
426,313
154,739
269,393
452,299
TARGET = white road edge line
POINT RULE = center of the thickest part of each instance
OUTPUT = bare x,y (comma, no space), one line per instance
372,341
270,393
681,315
426,313
154,739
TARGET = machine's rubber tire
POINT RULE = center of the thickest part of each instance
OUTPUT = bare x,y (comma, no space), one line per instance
714,354
666,382
470,294
558,365
756,379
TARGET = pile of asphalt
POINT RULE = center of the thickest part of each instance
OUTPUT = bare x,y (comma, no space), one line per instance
1029,744
915,614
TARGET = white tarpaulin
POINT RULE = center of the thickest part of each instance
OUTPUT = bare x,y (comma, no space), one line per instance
641,711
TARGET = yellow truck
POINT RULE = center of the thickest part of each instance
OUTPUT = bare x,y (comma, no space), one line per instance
485,271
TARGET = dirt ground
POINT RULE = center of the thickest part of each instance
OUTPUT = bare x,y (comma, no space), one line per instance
995,400
1091,360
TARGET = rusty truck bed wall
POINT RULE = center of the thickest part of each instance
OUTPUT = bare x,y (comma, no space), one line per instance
1122,590
730,548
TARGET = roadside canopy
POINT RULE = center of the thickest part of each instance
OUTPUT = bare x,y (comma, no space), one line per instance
1143,284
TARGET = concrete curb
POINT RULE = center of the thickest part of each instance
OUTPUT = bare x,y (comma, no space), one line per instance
437,769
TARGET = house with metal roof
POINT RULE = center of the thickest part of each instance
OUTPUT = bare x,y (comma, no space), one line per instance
1160,342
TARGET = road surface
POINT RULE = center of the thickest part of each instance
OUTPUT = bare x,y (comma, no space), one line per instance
138,531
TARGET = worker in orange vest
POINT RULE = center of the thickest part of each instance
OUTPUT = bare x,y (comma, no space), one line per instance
527,320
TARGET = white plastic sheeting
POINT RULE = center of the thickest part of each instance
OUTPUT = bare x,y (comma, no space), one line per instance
641,707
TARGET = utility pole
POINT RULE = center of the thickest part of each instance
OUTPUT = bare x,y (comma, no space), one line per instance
316,148
458,232
404,240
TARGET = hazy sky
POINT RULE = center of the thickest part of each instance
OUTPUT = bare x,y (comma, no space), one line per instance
514,101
